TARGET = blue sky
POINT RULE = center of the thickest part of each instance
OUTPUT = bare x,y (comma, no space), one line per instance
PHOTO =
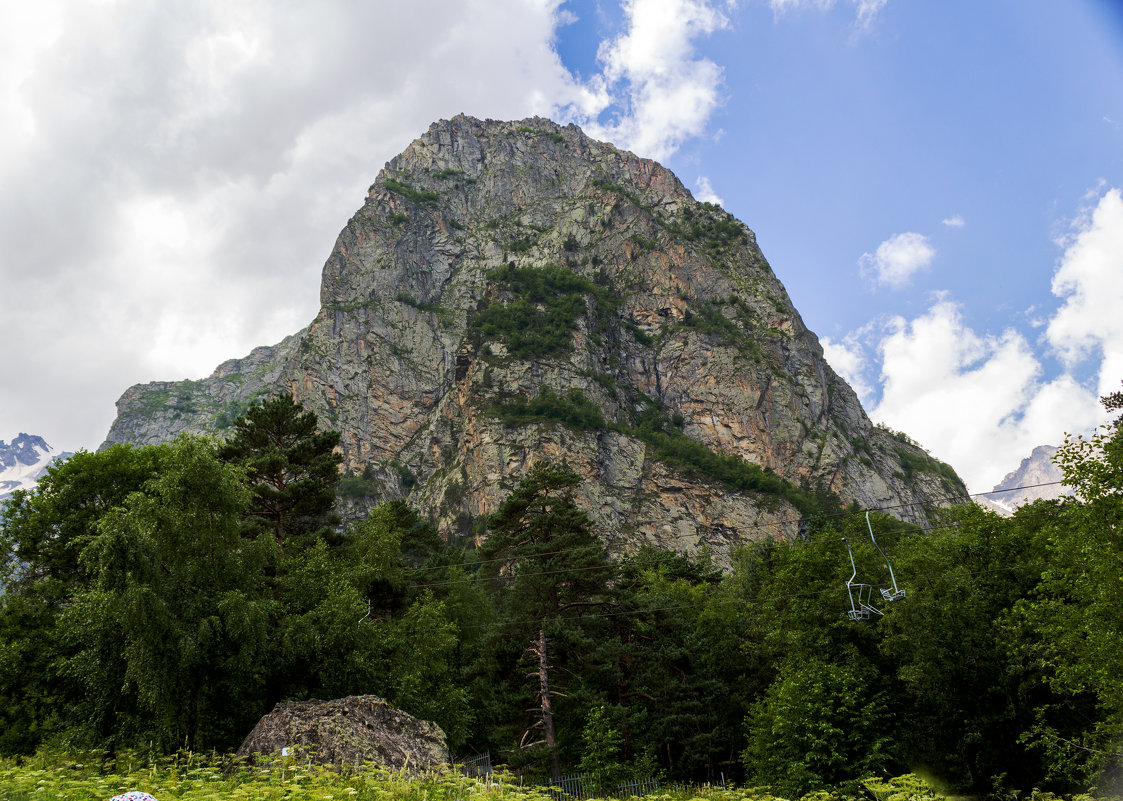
937,184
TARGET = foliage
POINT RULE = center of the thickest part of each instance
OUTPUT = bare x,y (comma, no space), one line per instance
180,598
667,442
546,570
363,485
42,533
541,318
292,468
672,446
192,776
817,726
139,611
572,409
1071,627
432,307
710,227
418,196
917,461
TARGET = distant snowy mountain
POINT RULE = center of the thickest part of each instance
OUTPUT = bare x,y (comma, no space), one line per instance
1036,477
24,462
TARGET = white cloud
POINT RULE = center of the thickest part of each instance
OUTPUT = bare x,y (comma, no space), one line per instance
977,401
955,221
982,402
1090,280
664,92
172,177
704,191
897,259
865,10
848,358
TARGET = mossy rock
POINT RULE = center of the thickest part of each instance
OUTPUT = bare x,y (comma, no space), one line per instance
357,730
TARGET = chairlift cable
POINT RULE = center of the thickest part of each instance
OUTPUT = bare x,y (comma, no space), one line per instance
798,520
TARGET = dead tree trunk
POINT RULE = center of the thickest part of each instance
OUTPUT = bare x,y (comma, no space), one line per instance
547,711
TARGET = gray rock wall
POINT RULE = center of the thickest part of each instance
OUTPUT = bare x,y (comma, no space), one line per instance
701,326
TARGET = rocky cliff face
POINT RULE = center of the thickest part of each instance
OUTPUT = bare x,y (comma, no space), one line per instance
1037,477
516,291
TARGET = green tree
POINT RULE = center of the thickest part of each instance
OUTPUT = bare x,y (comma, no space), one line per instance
819,725
43,530
175,619
968,701
292,467
602,754
547,571
352,623
41,535
831,708
1071,627
674,694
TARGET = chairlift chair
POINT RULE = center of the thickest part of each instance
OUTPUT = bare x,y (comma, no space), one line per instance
860,594
893,594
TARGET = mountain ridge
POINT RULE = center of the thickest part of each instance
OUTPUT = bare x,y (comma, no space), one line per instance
1036,477
500,267
24,461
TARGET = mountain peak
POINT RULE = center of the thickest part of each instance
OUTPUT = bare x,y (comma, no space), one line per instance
517,291
1036,477
23,462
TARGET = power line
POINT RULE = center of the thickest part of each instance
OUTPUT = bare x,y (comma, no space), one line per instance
658,560
798,520
730,601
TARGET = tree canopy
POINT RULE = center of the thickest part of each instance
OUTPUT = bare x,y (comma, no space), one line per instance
146,601
292,467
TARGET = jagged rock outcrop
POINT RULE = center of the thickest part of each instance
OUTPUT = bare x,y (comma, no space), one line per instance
24,462
1036,477
492,260
352,731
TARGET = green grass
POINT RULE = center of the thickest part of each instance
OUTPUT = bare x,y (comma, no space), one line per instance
216,777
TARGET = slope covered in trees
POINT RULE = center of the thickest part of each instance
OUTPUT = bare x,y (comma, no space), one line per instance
144,604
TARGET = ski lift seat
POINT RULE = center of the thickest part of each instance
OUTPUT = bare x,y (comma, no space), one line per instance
892,595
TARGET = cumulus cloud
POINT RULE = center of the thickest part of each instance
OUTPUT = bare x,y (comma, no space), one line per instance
704,191
1089,279
662,92
982,402
174,176
955,221
897,259
848,358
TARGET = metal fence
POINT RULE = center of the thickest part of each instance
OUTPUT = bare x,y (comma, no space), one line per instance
476,766
579,787
636,787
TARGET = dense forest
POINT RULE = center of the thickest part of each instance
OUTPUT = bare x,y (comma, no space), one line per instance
167,596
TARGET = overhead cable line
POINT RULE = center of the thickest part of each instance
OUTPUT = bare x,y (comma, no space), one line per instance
658,560
728,601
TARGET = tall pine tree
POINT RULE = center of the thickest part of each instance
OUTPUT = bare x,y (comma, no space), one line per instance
548,570
292,467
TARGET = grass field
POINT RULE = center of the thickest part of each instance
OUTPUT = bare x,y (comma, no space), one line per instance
195,777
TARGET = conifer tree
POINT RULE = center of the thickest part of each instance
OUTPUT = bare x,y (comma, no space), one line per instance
292,467
549,569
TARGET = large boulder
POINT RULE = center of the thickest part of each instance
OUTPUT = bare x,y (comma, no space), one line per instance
349,731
